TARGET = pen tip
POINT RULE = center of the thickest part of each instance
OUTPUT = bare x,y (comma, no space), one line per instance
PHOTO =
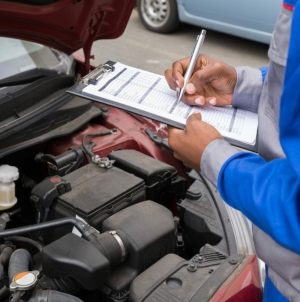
180,95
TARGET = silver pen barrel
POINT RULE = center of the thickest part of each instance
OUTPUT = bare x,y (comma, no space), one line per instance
194,57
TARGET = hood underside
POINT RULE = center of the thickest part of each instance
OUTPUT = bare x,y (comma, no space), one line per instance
66,25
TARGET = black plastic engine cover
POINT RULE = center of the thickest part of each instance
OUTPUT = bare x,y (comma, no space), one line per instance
200,219
158,176
174,279
97,193
72,256
150,229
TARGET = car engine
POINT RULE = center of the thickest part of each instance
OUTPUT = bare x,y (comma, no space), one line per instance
94,207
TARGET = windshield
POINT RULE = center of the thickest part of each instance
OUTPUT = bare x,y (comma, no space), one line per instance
17,56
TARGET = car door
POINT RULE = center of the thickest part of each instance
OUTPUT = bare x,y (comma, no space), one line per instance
235,17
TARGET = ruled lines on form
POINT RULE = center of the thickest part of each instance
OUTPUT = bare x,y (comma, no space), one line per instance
151,94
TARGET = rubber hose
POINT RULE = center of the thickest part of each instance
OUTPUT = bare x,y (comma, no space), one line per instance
16,296
1,271
112,249
82,227
52,296
4,291
6,252
34,243
31,242
20,261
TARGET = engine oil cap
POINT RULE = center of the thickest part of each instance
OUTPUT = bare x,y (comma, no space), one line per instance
24,281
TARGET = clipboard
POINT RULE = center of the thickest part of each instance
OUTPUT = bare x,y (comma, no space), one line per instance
93,77
96,84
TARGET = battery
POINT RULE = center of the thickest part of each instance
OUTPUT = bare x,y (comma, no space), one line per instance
96,194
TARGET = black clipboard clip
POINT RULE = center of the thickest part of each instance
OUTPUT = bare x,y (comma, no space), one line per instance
94,76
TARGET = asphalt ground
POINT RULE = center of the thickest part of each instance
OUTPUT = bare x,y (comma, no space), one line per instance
140,48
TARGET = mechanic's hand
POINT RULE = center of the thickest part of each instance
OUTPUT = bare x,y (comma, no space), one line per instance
188,144
212,83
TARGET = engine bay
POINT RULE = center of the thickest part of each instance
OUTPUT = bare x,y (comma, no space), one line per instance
95,207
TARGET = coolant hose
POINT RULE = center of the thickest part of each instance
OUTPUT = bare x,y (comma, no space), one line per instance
5,253
52,296
20,261
29,241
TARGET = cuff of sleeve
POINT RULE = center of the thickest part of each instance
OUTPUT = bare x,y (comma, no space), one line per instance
248,88
213,158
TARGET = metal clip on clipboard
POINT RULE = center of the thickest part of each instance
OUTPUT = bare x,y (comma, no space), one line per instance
94,76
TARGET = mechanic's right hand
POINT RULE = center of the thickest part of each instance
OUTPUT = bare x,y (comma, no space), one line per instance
212,83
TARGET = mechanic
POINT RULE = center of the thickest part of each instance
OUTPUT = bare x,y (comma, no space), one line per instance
265,187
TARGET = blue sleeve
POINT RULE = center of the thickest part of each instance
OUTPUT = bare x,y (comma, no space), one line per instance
267,193
264,71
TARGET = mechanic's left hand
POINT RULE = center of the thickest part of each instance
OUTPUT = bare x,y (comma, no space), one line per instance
188,144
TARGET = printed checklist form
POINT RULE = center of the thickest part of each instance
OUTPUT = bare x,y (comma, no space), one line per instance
148,94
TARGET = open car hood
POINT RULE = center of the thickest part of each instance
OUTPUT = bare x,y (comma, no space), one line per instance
66,25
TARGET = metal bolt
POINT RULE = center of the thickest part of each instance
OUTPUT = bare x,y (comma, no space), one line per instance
192,267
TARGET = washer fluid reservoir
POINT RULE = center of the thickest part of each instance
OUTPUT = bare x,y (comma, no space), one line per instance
8,174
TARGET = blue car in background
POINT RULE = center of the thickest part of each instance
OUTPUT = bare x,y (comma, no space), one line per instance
253,20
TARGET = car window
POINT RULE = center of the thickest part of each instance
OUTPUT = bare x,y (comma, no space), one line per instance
17,56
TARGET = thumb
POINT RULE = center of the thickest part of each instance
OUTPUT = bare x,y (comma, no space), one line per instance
200,78
173,130
196,116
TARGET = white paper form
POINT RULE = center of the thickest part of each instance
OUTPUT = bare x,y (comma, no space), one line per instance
150,93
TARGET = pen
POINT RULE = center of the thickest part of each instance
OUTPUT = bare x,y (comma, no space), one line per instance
194,56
